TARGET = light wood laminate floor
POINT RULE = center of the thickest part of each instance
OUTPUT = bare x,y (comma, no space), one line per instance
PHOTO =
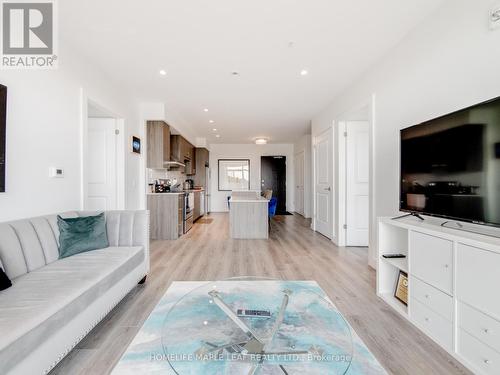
293,252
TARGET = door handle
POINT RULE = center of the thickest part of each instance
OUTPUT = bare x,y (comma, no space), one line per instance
328,188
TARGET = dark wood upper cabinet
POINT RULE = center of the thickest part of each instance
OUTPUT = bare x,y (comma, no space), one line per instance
175,148
190,159
165,147
166,143
188,150
202,161
158,136
183,152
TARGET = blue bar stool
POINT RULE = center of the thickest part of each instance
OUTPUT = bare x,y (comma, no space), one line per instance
271,209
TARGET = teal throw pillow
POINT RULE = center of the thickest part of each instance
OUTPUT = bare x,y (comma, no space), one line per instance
81,234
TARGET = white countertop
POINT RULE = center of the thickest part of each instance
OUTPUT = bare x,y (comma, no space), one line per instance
178,192
170,193
249,200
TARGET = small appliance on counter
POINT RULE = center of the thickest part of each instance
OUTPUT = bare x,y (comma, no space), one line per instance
188,184
175,188
162,186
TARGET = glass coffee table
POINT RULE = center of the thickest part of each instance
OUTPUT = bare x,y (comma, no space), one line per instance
256,326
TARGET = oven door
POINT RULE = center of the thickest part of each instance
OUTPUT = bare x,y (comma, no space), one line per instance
188,211
189,204
188,223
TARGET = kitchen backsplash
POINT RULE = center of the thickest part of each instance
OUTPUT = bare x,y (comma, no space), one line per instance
155,174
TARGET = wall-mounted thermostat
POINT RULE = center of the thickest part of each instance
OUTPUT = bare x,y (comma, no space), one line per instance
495,17
56,172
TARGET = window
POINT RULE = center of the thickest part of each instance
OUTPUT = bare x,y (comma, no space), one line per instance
234,174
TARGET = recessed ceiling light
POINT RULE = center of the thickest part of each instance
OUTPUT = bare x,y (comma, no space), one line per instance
163,72
261,141
205,110
217,136
214,130
211,121
304,72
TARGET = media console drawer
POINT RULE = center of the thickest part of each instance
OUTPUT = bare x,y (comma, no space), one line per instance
432,324
431,260
478,278
479,325
453,292
433,298
478,354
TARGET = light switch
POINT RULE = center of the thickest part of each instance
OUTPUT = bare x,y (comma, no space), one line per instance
55,172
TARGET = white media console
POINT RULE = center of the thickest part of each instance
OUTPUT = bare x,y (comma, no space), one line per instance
454,286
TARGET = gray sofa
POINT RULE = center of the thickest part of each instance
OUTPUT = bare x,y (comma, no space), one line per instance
53,303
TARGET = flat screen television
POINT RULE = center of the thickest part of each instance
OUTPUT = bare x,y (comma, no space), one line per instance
450,166
3,119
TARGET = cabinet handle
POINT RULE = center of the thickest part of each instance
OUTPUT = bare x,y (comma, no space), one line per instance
446,266
486,330
487,361
427,319
427,296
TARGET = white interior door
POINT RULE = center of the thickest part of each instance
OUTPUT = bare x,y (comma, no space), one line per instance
357,189
299,183
101,165
323,155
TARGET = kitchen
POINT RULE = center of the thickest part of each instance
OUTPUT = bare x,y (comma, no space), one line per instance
178,182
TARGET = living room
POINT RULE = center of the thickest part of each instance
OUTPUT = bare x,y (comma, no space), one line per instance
218,188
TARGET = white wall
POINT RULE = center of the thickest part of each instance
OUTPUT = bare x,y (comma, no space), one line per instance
44,115
155,111
449,62
253,152
304,144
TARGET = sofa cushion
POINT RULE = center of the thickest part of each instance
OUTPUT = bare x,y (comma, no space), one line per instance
26,245
81,234
40,302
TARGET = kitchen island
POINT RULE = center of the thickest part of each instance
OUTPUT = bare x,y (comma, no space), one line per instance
248,216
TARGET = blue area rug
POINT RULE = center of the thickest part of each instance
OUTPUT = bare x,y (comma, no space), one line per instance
146,354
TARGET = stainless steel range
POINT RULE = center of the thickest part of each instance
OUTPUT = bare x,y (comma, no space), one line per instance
188,211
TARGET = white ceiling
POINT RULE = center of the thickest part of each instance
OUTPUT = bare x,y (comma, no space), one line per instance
199,43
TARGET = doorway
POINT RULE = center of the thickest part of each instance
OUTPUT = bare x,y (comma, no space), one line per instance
299,182
103,164
357,166
323,180
273,177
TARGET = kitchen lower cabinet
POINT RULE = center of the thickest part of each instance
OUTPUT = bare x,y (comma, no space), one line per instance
166,215
197,205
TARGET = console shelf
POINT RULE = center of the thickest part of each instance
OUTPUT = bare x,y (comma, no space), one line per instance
451,278
399,263
395,304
